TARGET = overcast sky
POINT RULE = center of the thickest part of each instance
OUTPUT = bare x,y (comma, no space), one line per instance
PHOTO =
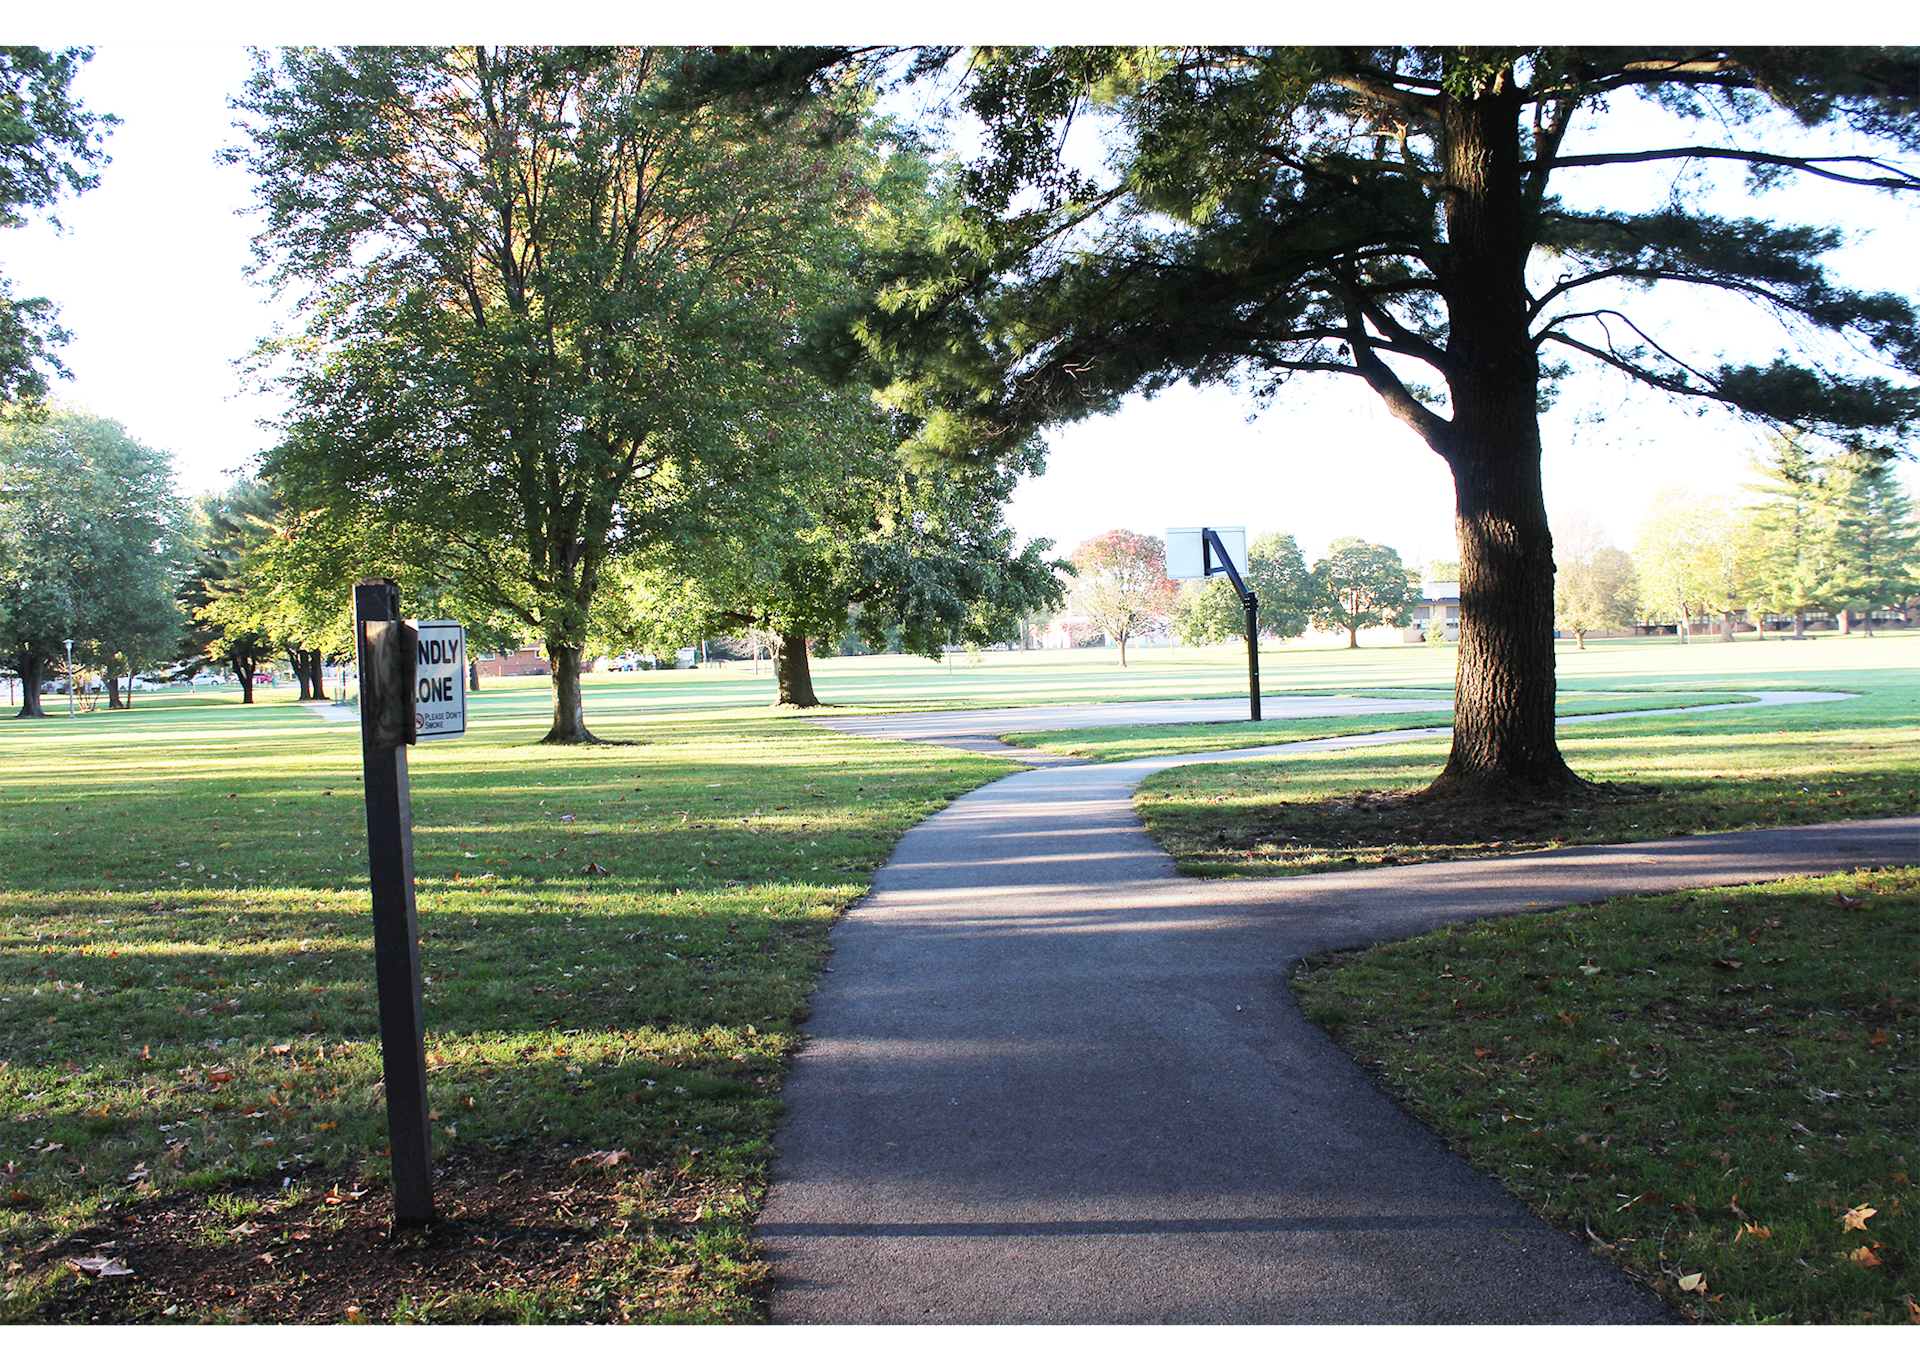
149,277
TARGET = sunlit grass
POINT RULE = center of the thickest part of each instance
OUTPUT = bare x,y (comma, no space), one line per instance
1713,1089
618,943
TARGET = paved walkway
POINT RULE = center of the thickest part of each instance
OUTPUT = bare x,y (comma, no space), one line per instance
1049,1080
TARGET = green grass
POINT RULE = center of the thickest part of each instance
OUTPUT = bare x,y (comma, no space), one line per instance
1688,773
185,967
185,960
1715,1090
1122,744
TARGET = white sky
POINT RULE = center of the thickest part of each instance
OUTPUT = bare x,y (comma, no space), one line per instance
149,277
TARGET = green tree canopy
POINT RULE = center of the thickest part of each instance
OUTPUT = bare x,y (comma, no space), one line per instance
89,547
1409,218
50,146
843,535
539,305
1361,585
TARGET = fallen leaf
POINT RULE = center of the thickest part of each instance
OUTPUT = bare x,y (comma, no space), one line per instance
1857,1217
1863,1255
100,1266
603,1158
219,1076
1841,900
1753,1230
594,869
1694,1284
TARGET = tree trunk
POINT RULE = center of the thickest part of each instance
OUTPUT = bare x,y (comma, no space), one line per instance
473,674
113,689
243,668
297,658
569,719
1846,620
32,671
1503,734
1123,649
1580,639
1726,625
1353,636
1799,623
792,672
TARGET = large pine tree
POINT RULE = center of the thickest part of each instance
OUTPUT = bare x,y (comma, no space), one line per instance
1404,217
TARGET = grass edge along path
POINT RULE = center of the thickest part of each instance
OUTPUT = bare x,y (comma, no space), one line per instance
1715,1089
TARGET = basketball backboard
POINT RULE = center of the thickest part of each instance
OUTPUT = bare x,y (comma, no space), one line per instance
1187,558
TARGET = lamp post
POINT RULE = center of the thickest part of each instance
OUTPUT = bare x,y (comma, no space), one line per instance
69,643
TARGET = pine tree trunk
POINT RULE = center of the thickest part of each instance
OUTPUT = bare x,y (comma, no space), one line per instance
1503,734
569,718
792,672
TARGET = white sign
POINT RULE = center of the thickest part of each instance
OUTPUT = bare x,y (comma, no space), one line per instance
1190,559
440,681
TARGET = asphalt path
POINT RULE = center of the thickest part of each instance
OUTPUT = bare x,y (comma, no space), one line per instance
1049,1080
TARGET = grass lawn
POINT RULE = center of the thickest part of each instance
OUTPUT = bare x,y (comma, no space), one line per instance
1715,1090
619,941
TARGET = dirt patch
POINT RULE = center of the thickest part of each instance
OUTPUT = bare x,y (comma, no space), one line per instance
545,1238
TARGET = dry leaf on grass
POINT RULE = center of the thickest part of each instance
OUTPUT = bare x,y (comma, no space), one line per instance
603,1158
1857,1217
100,1266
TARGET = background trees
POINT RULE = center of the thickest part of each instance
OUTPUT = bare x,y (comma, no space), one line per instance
89,548
540,303
841,535
1120,584
1360,584
1208,611
1400,216
1871,544
1593,585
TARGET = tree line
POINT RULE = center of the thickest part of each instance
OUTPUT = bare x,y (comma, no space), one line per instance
1119,585
1826,533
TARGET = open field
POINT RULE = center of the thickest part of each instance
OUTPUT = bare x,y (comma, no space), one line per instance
620,941
1684,773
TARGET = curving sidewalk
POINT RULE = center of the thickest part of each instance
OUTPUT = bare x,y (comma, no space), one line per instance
1049,1080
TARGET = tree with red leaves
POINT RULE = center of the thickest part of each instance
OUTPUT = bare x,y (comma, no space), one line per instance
1120,584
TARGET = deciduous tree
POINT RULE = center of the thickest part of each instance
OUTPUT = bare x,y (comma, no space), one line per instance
1120,584
1593,584
539,303
88,547
50,146
841,535
1360,585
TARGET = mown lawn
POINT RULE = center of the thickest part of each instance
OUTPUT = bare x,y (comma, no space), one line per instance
618,941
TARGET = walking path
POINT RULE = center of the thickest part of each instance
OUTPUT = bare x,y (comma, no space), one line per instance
1050,1080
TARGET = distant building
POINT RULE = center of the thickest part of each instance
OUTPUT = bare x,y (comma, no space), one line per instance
525,661
1437,599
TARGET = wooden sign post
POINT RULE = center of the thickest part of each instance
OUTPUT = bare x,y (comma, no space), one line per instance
389,655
